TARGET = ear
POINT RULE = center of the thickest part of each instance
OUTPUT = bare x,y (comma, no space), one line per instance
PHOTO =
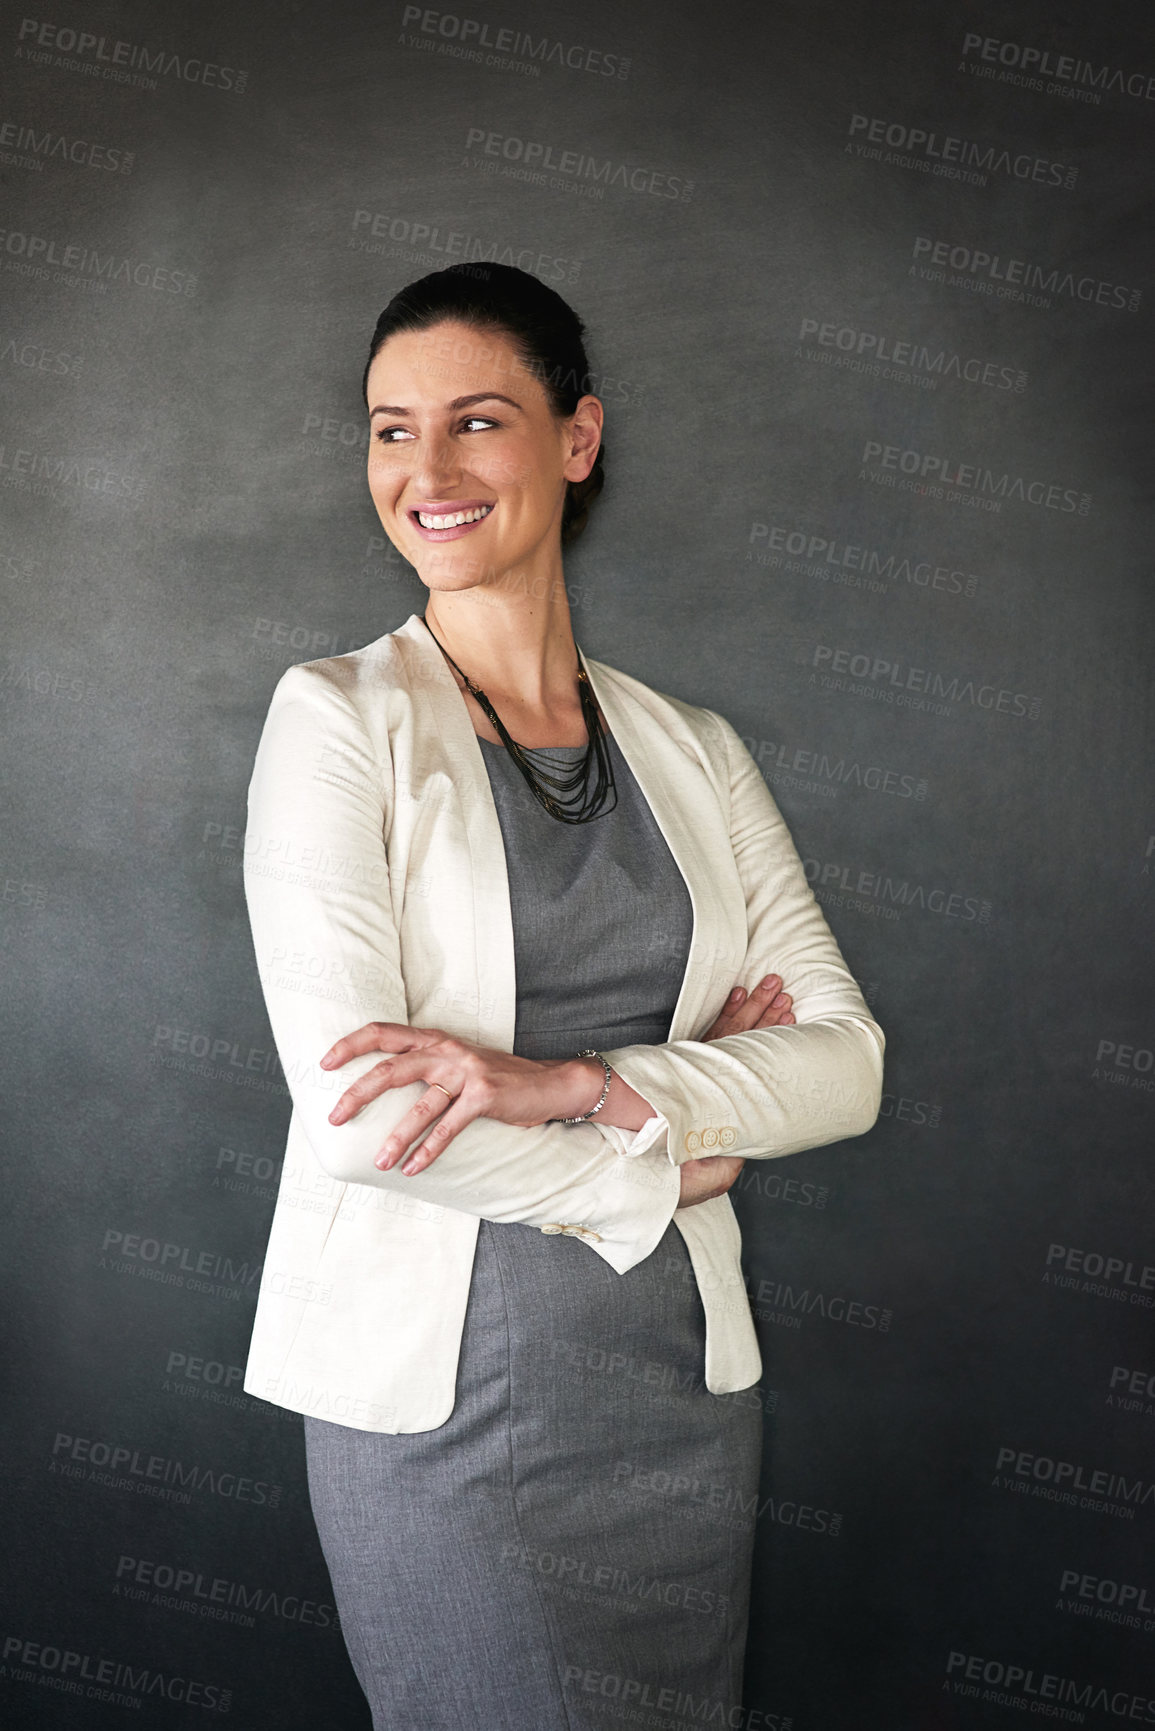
583,437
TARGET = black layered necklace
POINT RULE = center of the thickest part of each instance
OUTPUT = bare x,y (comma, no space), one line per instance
564,790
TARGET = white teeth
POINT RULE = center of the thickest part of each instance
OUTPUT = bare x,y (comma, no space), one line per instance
451,522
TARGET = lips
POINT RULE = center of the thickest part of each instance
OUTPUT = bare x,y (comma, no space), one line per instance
449,519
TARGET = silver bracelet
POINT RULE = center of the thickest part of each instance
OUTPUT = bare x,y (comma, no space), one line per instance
590,1053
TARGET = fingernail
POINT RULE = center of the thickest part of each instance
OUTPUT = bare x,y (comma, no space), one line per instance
735,994
410,1166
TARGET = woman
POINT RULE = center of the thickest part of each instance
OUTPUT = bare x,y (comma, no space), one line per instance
500,894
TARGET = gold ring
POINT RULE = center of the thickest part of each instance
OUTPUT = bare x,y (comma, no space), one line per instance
450,1097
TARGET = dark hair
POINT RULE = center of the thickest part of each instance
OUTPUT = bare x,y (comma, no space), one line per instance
546,333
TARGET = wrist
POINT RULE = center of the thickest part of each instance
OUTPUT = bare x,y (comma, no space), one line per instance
576,1087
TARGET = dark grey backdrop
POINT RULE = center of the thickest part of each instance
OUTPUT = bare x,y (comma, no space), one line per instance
871,320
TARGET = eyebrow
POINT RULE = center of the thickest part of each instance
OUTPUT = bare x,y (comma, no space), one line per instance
457,403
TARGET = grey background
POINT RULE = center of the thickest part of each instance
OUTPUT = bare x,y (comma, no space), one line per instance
186,514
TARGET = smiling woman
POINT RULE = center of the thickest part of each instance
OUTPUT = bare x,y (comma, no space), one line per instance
445,464
558,942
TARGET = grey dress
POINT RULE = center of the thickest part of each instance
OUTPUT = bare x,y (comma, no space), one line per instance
572,1547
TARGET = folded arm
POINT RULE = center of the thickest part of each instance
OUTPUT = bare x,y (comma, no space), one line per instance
329,956
773,1090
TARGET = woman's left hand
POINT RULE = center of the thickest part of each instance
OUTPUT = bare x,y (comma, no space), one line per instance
478,1082
767,1006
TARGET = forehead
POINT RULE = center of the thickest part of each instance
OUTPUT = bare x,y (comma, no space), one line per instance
450,359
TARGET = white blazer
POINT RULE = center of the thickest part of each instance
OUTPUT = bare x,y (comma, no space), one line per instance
376,883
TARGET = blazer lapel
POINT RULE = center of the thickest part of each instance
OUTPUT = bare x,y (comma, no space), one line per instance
439,708
685,807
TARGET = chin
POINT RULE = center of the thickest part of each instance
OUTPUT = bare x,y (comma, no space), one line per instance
449,578
450,572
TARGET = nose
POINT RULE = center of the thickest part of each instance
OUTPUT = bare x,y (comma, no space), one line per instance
438,466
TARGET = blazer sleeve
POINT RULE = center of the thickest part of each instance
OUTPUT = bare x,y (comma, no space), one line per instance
328,952
773,1090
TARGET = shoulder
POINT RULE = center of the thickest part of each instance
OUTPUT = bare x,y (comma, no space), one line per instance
345,714
359,673
370,686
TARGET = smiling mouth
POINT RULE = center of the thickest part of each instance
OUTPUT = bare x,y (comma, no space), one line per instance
451,519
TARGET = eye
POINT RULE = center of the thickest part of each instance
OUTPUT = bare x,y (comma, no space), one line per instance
385,434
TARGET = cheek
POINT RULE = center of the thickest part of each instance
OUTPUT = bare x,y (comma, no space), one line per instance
509,467
385,476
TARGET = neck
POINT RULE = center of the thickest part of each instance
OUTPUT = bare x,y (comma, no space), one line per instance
516,647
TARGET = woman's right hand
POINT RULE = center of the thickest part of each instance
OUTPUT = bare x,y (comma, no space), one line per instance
767,1006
